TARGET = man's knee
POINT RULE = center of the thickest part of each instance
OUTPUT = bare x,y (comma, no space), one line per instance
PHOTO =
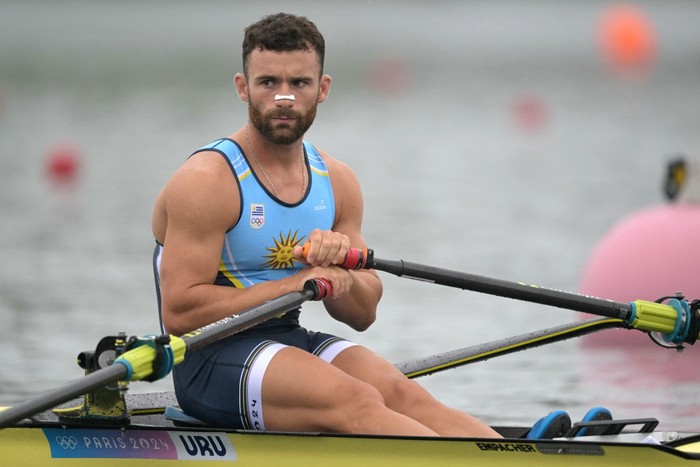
358,405
400,392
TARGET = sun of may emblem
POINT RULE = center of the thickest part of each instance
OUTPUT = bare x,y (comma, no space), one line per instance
280,256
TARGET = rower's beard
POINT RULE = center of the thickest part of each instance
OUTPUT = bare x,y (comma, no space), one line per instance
282,134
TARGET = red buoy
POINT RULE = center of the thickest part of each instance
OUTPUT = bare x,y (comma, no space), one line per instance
63,165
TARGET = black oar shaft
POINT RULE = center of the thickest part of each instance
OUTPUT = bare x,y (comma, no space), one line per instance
237,323
75,388
502,288
316,289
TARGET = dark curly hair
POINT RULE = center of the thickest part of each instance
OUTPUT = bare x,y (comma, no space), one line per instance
283,32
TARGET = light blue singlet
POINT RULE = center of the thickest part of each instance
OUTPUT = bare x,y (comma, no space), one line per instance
259,247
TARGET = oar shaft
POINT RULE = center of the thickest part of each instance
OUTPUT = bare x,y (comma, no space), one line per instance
476,353
140,360
137,363
357,258
50,399
677,320
237,323
508,289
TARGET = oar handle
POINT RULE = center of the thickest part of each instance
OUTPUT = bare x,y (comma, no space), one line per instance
318,288
355,258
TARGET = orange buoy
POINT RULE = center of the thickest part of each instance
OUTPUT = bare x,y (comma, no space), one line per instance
626,38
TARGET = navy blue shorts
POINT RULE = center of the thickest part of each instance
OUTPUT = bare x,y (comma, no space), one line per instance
221,384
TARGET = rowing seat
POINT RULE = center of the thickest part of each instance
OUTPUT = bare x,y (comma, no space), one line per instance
180,418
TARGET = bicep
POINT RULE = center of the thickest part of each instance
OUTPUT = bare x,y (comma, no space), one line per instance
197,221
190,254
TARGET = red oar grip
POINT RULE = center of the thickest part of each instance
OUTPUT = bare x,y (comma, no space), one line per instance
355,258
321,288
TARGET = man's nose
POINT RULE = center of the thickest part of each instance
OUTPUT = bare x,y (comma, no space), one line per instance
284,100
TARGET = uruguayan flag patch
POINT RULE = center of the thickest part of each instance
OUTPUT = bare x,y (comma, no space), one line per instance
257,215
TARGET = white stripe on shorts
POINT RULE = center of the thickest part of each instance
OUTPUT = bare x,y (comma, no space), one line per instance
254,386
332,351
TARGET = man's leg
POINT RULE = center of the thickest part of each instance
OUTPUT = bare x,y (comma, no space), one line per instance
408,397
301,392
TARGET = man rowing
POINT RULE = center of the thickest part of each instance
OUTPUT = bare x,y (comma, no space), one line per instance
230,225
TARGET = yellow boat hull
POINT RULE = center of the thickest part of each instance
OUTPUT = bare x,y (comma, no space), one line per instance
58,446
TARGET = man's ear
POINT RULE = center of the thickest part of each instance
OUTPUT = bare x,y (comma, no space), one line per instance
241,86
325,88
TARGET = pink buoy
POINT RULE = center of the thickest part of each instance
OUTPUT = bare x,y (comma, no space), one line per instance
651,254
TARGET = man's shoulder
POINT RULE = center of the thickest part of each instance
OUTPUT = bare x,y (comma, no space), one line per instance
202,186
203,167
